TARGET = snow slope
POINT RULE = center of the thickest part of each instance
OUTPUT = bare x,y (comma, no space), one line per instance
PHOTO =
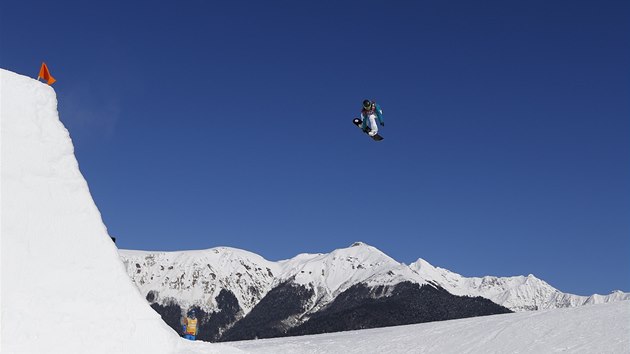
589,329
64,289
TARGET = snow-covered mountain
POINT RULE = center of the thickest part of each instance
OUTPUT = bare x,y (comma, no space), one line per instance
196,277
313,283
518,293
238,293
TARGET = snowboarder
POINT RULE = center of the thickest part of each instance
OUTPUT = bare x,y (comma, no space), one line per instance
189,325
371,112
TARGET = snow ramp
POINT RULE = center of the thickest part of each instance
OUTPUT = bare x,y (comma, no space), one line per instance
63,286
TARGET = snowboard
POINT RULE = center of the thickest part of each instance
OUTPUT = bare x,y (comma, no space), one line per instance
357,122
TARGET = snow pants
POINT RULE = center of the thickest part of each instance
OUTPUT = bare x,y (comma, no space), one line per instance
372,123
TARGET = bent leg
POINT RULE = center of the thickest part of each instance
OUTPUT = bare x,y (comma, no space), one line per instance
373,125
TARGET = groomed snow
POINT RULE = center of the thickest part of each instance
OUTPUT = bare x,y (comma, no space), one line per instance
588,329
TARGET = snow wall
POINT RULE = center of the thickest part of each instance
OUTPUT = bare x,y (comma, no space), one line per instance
63,286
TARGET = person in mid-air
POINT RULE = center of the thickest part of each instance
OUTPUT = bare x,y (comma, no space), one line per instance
189,324
371,112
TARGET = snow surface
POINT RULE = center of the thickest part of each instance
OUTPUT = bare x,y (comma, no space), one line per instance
64,288
588,329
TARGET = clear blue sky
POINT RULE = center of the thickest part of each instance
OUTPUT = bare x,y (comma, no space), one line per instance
206,123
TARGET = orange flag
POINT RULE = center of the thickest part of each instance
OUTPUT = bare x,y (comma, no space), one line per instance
45,74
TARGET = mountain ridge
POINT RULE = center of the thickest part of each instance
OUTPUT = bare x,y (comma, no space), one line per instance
196,277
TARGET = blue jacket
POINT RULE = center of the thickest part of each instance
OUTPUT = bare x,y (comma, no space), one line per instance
365,113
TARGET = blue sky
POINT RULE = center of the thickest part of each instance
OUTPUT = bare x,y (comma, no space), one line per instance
204,123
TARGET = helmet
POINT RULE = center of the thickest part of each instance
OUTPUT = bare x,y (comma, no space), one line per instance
192,313
367,104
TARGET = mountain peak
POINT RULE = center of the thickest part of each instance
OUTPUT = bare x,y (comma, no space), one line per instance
359,244
422,264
